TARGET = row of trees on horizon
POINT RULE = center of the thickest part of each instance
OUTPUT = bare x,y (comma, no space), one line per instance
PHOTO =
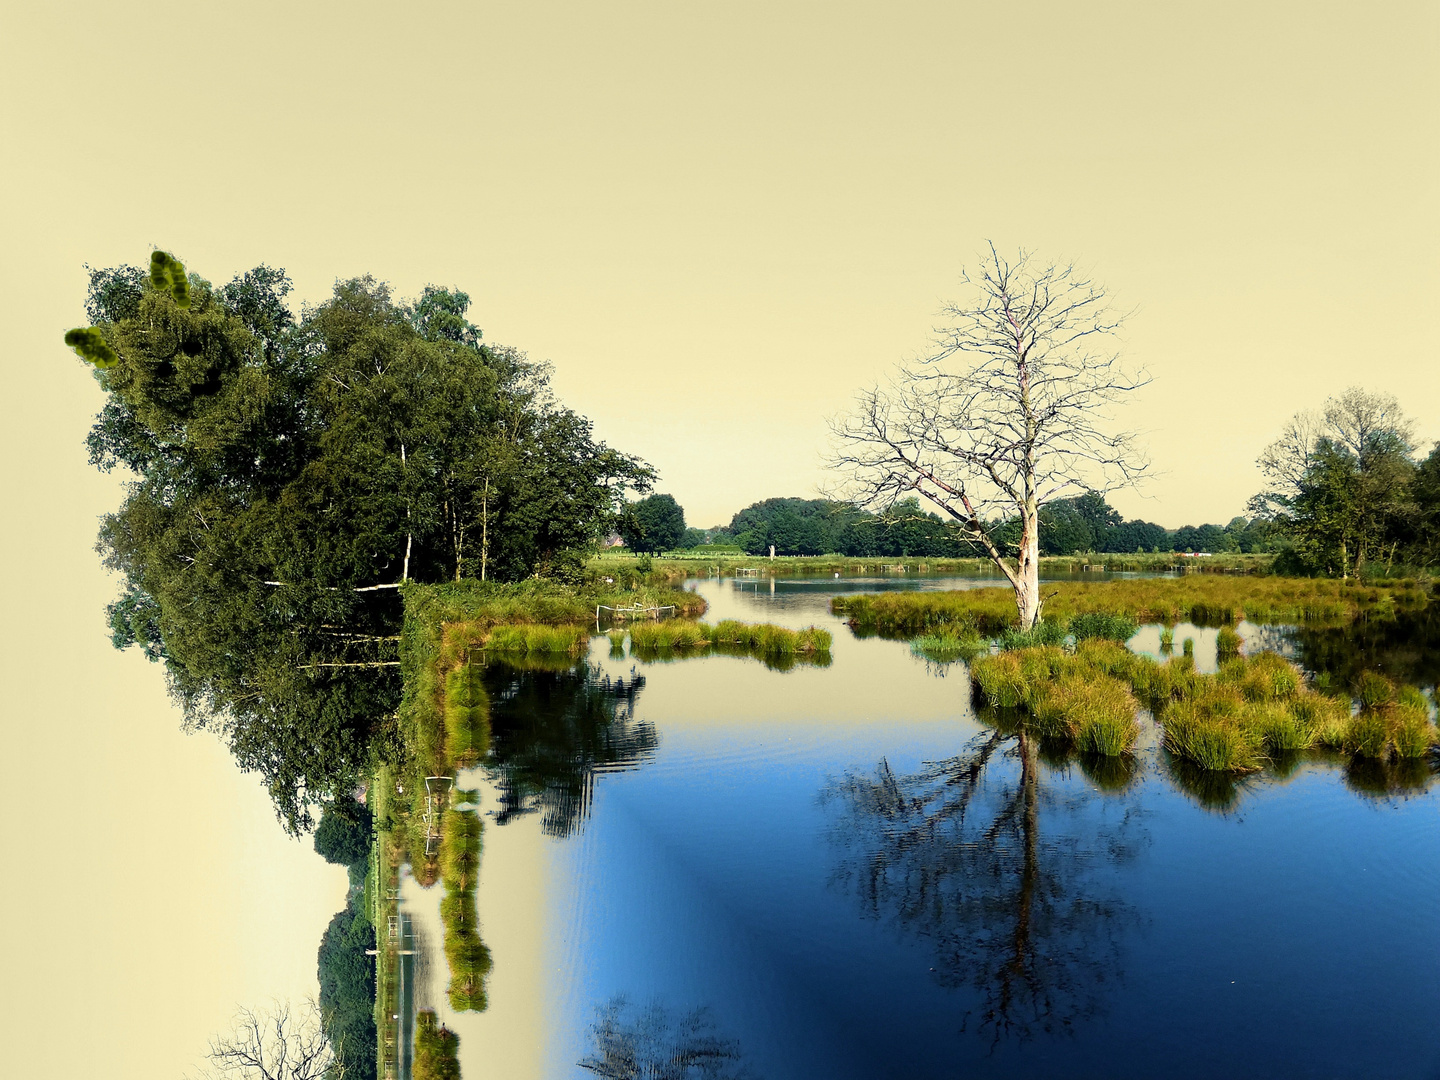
1347,493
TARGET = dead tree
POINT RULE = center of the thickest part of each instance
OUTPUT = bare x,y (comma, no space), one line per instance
1011,410
273,1044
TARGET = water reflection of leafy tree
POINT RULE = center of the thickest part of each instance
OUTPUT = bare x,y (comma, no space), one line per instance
956,856
657,1045
553,731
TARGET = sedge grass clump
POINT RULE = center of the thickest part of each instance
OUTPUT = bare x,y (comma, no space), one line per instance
948,645
467,716
1103,717
1266,677
1103,624
437,1049
1413,697
1227,642
468,958
1188,646
1367,735
1211,741
1411,730
1042,633
999,680
1167,638
529,638
1328,717
1374,690
1279,728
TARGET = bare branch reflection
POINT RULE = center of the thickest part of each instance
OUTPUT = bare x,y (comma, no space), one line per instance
955,854
654,1044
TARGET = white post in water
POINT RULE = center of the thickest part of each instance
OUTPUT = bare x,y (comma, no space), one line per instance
772,552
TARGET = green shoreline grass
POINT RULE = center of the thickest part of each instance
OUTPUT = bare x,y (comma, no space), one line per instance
1251,711
1203,600
678,565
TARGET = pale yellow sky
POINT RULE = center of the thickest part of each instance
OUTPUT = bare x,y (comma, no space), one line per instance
717,221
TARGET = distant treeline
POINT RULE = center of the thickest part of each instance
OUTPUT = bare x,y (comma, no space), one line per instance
1067,527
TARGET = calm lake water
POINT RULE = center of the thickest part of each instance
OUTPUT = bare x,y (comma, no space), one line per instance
856,877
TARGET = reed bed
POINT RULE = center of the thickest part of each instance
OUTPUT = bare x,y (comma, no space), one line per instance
467,955
467,716
437,1049
1203,600
757,639
1253,710
537,638
1227,642
947,646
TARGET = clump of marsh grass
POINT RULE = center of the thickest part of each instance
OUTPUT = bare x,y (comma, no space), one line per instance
998,680
1203,599
678,637
1327,716
1188,646
1374,690
1167,639
466,954
1411,730
1227,642
1044,632
1367,735
437,1049
948,645
1103,624
467,716
537,638
1211,740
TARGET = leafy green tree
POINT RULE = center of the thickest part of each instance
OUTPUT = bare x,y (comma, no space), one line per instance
291,476
1424,546
343,835
347,988
1340,482
655,523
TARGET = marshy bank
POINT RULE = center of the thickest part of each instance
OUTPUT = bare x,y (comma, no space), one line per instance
1203,600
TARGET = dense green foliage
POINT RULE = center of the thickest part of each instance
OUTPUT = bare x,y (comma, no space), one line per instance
1086,523
1202,599
344,833
655,523
1346,492
347,988
290,473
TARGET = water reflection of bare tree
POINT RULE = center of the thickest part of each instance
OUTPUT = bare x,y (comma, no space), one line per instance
654,1044
552,732
955,854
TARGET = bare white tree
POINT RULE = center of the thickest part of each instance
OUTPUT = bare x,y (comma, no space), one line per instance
1012,409
272,1043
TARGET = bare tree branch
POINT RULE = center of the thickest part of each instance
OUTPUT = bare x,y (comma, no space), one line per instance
272,1043
1013,408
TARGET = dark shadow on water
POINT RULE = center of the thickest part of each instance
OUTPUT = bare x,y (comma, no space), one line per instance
652,1043
553,731
1405,648
1394,779
1031,919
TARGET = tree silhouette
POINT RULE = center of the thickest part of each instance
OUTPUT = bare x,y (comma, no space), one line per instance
553,731
657,1045
957,856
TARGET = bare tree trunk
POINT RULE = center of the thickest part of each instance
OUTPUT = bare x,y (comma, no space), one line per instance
1026,581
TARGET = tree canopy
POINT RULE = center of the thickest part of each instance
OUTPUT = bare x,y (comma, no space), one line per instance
1345,490
655,523
291,474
